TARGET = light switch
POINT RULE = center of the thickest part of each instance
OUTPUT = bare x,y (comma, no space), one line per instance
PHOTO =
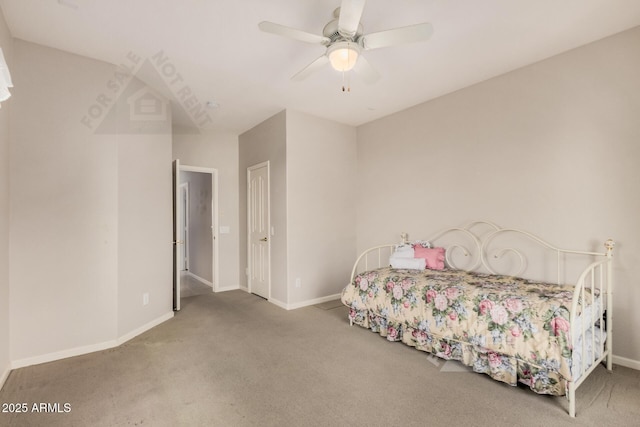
224,229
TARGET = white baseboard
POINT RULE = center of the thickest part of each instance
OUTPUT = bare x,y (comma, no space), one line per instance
58,355
313,301
78,351
627,363
5,375
279,303
200,279
208,283
228,288
303,303
145,328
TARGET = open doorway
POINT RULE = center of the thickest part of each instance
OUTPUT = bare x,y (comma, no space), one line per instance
196,199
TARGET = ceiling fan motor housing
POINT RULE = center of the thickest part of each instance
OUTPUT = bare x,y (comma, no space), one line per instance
332,32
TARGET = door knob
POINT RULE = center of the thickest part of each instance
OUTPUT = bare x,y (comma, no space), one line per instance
264,239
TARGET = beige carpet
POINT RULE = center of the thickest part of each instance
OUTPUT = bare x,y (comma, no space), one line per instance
329,305
233,359
190,286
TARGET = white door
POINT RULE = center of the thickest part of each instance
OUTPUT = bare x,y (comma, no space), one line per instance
177,220
258,256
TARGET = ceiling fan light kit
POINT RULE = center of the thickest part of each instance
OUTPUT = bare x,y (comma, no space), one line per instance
343,55
345,42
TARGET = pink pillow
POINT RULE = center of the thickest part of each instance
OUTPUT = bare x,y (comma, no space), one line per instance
433,256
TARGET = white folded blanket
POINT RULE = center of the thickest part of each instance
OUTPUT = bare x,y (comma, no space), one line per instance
403,251
408,263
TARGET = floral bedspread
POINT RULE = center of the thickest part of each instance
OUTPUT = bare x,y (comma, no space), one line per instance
510,328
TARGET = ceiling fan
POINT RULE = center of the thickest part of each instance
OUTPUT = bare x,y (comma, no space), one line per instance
345,41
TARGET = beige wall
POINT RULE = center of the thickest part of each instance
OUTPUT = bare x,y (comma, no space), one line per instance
6,43
321,215
90,214
217,151
313,182
63,207
145,229
267,142
552,148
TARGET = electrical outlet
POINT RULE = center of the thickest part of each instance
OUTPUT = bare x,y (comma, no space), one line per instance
298,282
145,299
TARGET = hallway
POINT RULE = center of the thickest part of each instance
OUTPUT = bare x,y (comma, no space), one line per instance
190,286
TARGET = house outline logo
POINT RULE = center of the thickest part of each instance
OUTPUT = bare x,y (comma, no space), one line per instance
146,105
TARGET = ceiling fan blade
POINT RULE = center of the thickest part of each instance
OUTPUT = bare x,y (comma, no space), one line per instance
350,14
310,69
365,70
292,33
410,34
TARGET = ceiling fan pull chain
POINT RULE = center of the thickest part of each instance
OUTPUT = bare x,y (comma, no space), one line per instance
346,87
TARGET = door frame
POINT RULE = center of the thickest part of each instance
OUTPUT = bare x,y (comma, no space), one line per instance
249,206
184,201
214,218
177,211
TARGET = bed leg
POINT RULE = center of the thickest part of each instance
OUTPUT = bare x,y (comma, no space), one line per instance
571,395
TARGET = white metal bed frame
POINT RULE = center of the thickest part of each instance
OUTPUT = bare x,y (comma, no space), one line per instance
479,251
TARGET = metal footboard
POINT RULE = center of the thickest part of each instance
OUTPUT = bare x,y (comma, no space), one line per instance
595,344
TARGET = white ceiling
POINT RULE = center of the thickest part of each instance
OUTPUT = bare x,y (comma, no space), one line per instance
221,55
